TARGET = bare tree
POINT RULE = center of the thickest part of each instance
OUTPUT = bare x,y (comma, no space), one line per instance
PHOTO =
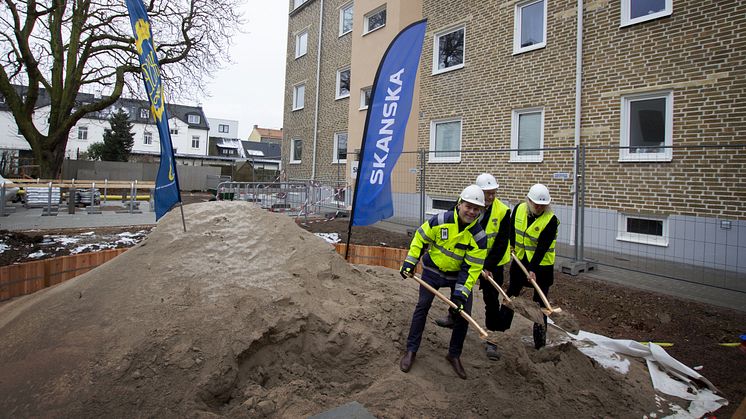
59,48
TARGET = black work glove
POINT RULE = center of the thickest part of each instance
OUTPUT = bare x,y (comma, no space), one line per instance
458,299
407,269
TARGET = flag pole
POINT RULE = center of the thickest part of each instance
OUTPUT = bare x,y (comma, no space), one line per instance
183,221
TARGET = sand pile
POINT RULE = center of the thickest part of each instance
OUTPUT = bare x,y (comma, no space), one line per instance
248,315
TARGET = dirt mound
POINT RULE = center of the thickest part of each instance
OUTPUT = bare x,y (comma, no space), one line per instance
246,314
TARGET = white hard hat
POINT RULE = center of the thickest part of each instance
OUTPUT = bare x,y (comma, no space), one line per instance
539,194
487,182
473,194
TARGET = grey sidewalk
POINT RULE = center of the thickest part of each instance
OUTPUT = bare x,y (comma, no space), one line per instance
31,219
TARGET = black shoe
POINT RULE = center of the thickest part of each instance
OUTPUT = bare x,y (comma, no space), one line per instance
407,360
540,335
457,367
491,351
445,321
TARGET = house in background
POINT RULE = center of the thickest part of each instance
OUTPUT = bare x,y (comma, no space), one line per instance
266,135
188,129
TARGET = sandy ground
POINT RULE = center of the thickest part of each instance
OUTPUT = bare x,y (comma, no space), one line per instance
248,315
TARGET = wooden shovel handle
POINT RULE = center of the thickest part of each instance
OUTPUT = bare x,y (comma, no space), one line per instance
452,304
491,280
536,286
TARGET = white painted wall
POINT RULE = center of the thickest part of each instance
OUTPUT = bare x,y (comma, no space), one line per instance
215,128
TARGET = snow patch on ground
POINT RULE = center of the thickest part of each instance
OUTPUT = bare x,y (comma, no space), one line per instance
329,237
4,247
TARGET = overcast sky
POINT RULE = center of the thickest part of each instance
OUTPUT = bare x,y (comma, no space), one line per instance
250,90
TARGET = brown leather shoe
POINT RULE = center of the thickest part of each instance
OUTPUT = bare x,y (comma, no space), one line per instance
407,360
457,367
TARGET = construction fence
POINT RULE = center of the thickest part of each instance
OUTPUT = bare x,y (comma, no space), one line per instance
667,211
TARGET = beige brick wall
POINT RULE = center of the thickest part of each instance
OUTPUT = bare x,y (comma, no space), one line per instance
697,52
335,54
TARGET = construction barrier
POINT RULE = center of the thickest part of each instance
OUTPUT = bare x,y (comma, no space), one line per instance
26,278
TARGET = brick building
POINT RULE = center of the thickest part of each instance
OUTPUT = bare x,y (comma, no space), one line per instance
661,113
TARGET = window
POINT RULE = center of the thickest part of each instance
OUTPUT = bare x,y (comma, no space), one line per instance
82,133
298,3
174,131
374,20
448,50
646,127
301,44
144,113
636,11
228,151
343,83
296,151
223,128
299,93
195,141
527,135
643,229
340,148
530,26
443,204
445,141
147,138
193,119
345,19
365,97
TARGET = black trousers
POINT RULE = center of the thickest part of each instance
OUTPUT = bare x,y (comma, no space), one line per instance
518,280
492,299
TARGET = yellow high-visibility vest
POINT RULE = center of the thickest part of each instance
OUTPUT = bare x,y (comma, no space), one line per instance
496,215
527,237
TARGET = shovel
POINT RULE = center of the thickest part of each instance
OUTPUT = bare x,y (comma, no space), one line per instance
529,311
482,333
548,309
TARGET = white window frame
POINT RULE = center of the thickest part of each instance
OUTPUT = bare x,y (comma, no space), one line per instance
335,147
431,157
626,236
173,131
363,105
342,10
517,49
295,96
298,52
338,93
84,131
147,138
293,160
224,128
144,113
367,16
624,153
626,6
436,49
193,119
514,129
195,138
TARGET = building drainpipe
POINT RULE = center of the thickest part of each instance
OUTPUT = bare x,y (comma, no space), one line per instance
578,95
318,83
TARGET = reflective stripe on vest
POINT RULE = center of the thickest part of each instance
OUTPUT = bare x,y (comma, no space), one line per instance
527,237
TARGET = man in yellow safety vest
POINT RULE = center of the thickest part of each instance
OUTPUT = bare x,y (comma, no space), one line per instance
534,239
456,249
495,220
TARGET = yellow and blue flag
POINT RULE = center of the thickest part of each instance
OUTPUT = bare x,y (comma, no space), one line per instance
167,192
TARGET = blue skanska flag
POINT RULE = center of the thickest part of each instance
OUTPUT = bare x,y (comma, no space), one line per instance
166,182
383,137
